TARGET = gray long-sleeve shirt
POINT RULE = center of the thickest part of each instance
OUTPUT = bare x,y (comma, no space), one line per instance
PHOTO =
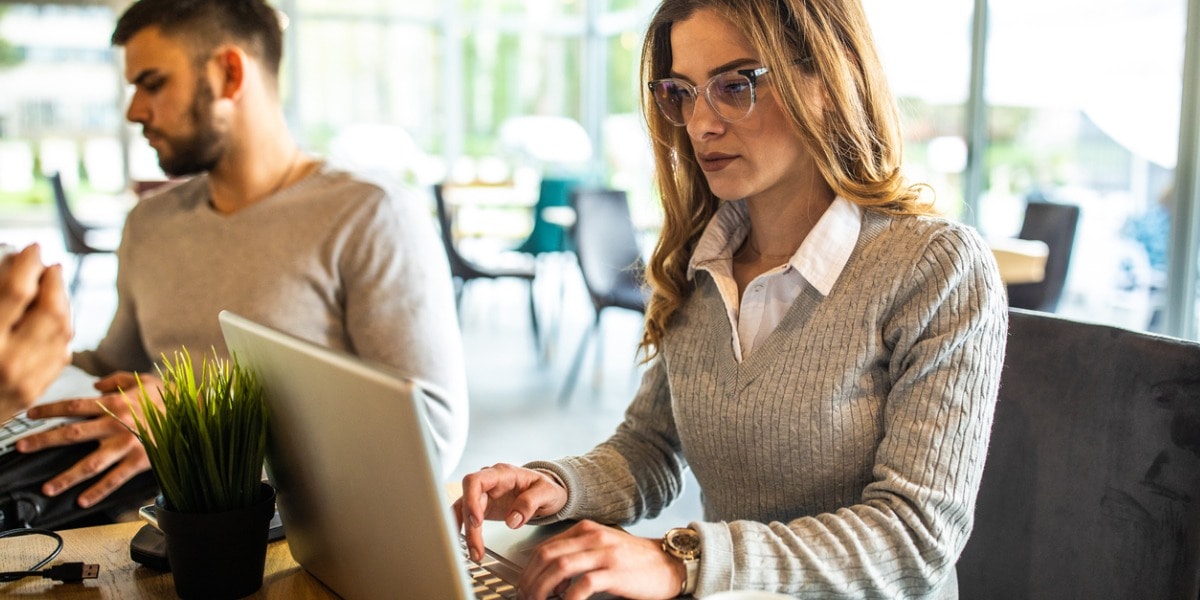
843,457
331,259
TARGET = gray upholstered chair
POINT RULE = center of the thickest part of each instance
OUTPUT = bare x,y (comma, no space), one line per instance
610,260
1092,482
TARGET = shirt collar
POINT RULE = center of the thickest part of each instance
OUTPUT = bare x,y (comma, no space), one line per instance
819,259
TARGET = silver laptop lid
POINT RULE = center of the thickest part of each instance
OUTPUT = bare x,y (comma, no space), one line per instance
356,471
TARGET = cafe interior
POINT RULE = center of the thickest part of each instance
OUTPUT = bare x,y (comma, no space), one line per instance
1066,131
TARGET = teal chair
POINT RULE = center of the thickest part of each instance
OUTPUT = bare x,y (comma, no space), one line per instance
552,241
546,236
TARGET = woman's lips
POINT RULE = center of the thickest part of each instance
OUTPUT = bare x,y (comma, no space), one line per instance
715,161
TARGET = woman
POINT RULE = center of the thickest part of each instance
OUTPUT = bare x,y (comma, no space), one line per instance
824,352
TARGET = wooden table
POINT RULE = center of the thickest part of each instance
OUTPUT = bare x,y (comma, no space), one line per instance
1020,261
122,578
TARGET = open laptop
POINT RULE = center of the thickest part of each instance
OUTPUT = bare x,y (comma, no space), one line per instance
72,382
358,483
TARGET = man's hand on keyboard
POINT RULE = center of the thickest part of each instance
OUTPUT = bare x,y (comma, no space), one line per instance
118,449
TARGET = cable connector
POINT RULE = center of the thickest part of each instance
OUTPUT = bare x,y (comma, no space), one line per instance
72,572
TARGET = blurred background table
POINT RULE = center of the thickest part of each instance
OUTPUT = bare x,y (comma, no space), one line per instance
1020,261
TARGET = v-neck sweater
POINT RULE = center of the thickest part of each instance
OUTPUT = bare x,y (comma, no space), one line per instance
843,457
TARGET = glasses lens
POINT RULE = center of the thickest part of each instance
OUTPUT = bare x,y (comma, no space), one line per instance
673,99
731,95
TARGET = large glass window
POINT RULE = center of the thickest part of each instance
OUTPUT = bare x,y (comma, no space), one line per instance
1081,106
1084,110
58,107
925,46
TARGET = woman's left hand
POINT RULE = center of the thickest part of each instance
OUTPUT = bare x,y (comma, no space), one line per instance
590,558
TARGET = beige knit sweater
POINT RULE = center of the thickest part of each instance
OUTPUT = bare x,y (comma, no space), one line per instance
843,457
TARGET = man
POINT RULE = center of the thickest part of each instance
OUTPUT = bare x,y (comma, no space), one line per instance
35,328
264,230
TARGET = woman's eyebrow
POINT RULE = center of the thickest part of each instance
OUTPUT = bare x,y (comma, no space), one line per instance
724,68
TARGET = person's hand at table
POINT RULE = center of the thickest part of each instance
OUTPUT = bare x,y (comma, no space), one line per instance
118,447
35,328
586,559
504,493
590,558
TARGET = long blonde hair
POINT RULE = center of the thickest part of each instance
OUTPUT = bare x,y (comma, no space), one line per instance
854,137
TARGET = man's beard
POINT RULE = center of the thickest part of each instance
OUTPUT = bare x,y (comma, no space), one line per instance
201,151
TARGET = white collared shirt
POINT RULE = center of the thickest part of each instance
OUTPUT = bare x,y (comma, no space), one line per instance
817,262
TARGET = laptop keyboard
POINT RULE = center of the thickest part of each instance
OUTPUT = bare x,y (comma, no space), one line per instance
20,425
12,428
487,586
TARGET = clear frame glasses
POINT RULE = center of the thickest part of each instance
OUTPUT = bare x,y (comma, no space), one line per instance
731,95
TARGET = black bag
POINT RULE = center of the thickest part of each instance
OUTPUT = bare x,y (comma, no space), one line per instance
22,503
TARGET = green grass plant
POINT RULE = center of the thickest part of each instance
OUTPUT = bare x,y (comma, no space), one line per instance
208,439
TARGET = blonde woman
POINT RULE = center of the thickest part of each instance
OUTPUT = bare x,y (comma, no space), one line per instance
825,352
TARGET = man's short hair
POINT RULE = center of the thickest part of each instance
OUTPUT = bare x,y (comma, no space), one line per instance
251,24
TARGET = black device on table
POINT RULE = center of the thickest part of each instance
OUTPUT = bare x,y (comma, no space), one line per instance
148,546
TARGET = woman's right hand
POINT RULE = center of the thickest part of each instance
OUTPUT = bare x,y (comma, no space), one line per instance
504,492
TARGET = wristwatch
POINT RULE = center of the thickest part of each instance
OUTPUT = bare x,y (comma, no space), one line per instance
684,543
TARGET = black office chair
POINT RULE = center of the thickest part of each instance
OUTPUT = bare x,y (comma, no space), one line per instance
78,238
1092,482
465,271
1054,224
610,261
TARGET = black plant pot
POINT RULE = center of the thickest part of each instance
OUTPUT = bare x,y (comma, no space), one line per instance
218,556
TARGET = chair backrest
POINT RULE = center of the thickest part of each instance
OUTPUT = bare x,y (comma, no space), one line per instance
547,236
1054,224
1092,482
606,246
459,267
73,232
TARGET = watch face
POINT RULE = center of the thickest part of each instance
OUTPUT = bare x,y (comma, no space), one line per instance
684,541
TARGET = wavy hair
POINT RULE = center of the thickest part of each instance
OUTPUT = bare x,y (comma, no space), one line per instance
854,137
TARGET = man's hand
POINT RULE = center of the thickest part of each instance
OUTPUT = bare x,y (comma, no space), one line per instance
118,449
35,329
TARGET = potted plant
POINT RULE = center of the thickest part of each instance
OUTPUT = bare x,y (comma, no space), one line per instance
206,442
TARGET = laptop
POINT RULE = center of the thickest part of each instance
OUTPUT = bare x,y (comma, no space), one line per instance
359,491
72,382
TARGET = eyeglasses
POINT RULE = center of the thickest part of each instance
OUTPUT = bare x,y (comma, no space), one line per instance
731,95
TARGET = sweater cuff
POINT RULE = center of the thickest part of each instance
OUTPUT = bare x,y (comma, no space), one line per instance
716,558
567,479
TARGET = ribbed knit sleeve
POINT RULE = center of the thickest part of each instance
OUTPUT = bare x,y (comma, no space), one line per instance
842,458
635,473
